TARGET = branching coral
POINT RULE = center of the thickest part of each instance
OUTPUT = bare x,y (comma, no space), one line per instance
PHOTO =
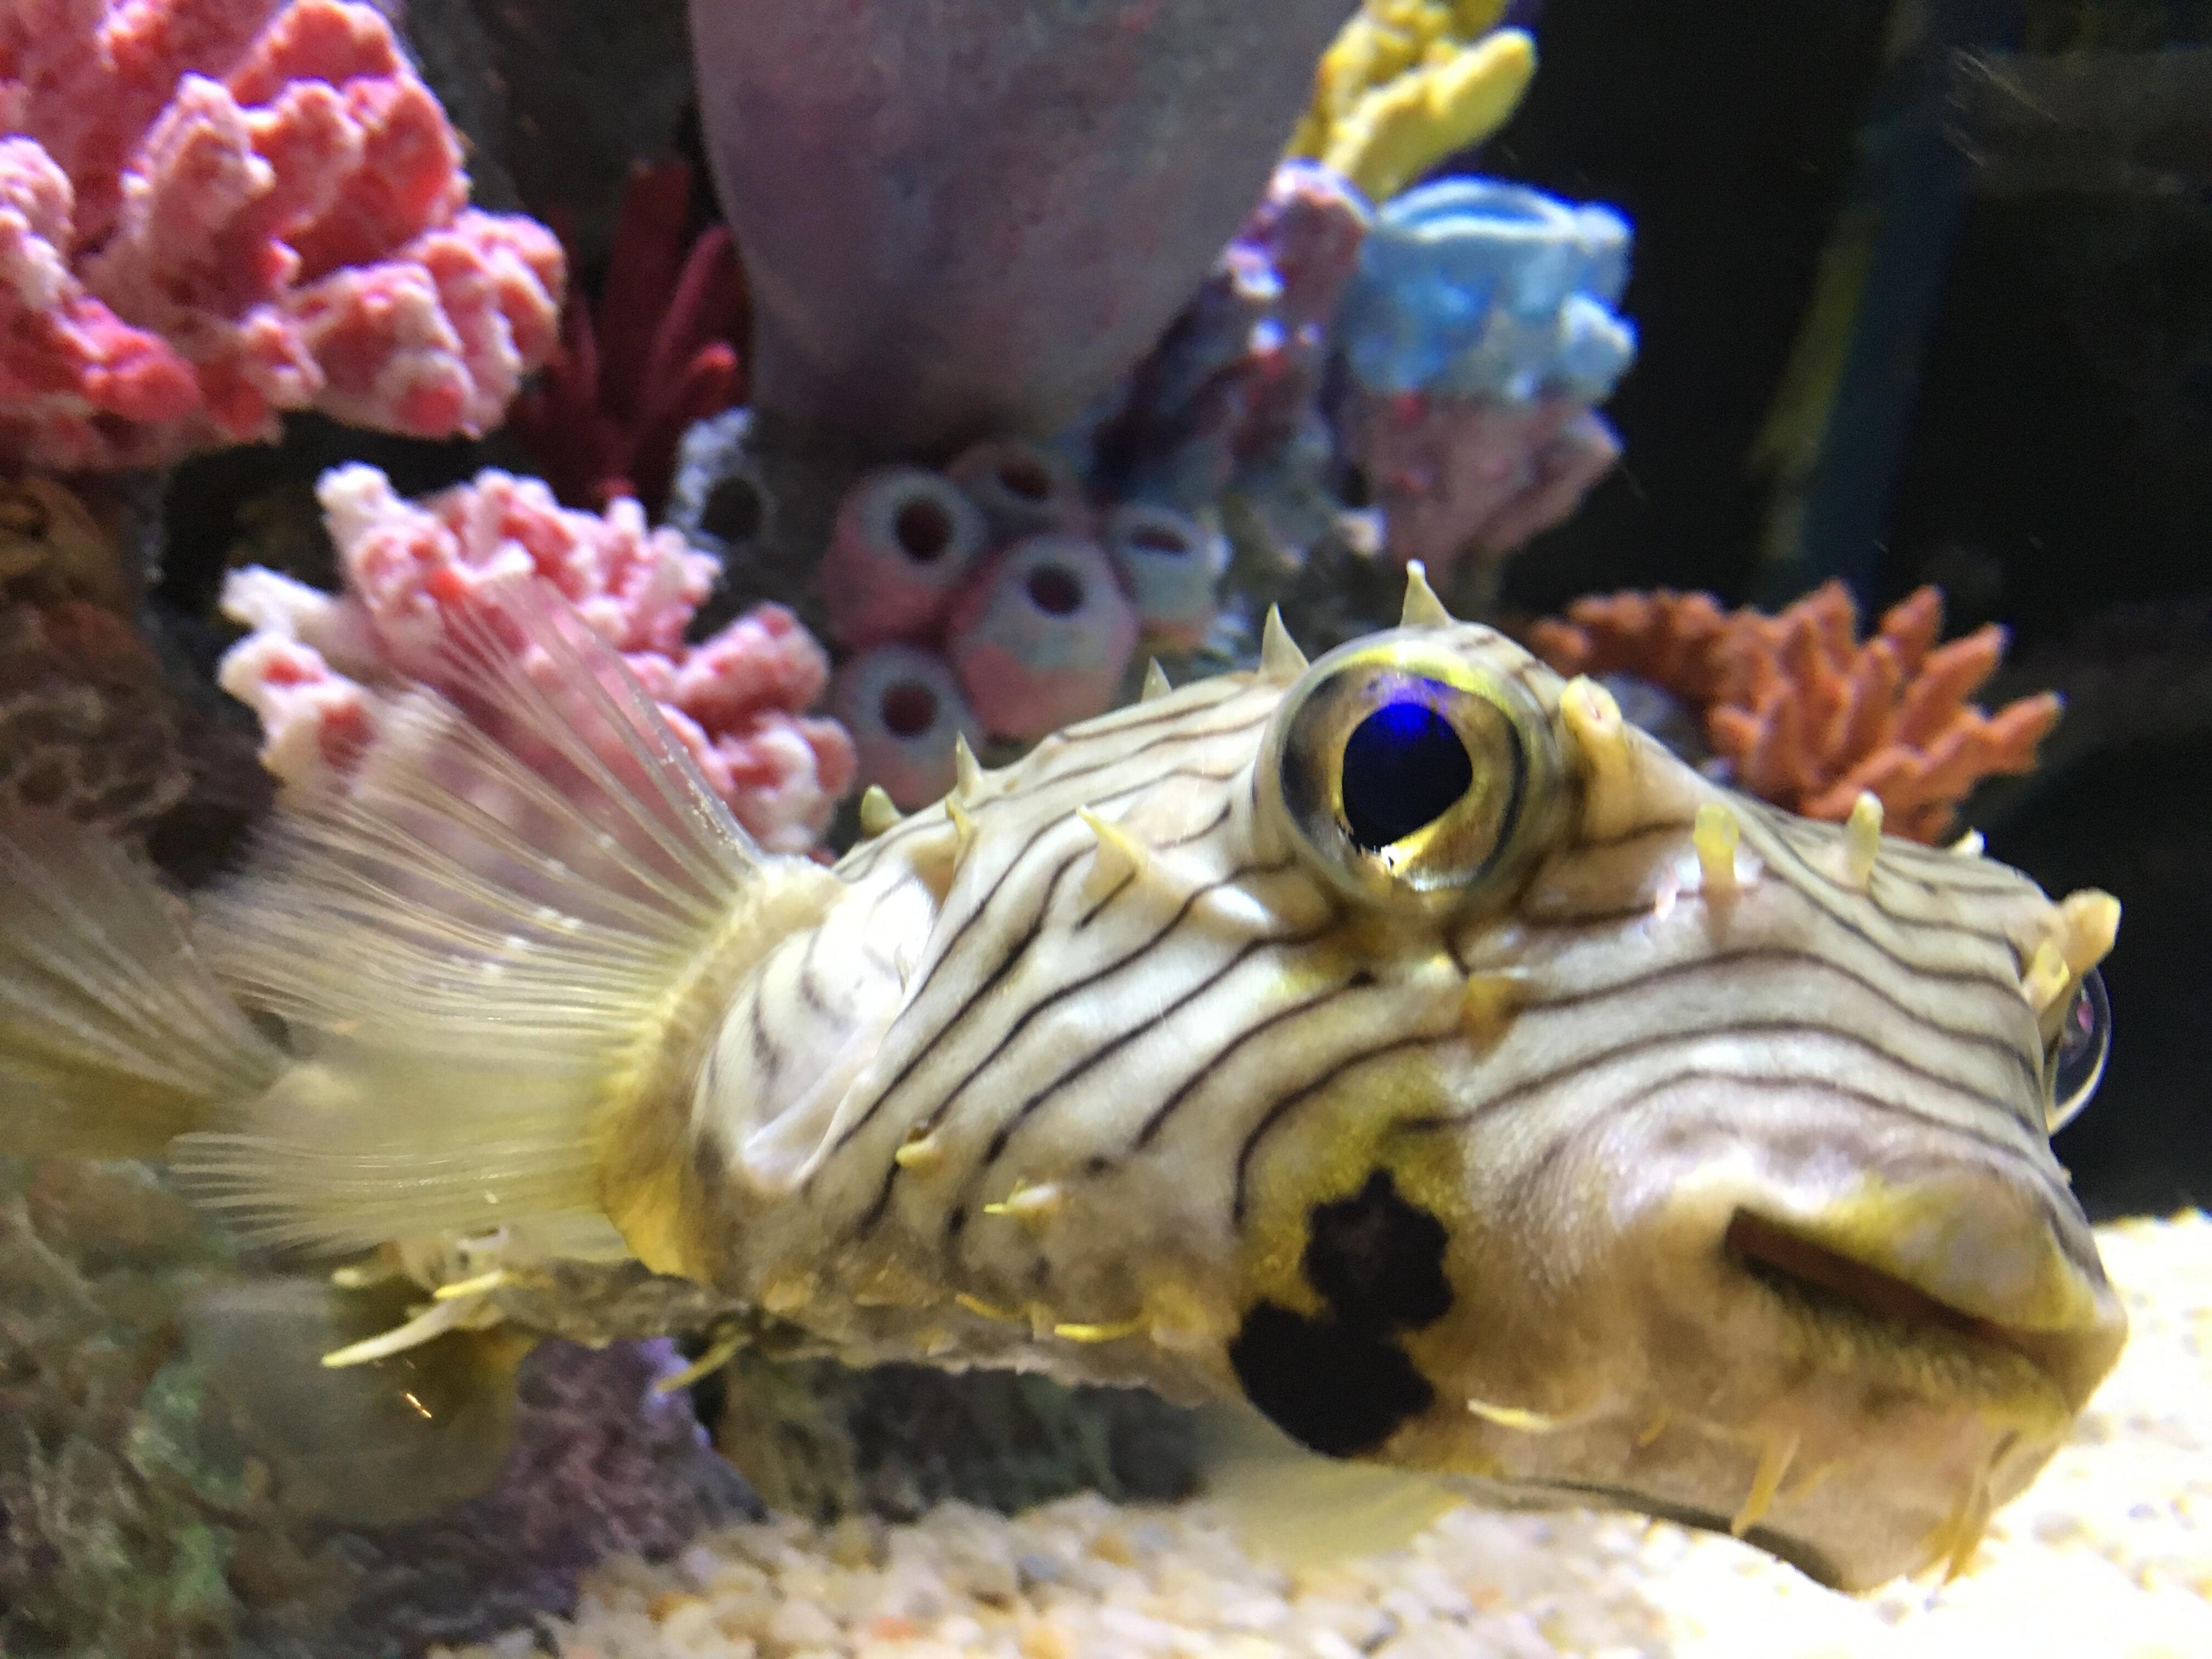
654,355
212,211
1807,715
315,664
1407,82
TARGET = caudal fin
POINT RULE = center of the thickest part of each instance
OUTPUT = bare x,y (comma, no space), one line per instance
115,1036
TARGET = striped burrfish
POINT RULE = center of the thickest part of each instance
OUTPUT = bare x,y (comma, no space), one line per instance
1397,1053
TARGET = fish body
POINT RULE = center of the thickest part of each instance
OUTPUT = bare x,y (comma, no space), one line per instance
1399,1045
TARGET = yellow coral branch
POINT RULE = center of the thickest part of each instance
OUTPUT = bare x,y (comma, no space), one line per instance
1406,83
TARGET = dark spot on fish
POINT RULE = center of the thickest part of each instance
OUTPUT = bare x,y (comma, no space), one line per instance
1339,1383
955,1221
1377,1260
1097,1164
710,1164
1332,1391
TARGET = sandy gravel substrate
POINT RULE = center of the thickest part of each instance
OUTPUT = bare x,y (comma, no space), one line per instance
2110,1555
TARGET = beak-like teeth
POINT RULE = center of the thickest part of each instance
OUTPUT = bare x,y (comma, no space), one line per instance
1949,1258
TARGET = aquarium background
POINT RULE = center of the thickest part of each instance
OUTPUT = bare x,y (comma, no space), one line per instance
2027,423
1921,293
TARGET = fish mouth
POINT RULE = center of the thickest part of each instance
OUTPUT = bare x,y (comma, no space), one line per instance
1815,1278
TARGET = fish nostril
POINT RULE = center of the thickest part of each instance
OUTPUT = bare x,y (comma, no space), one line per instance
1788,1260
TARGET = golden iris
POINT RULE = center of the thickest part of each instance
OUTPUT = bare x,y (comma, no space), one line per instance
1402,768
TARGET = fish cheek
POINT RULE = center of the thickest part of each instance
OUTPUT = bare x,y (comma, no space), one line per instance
1338,1381
1333,1392
1377,1258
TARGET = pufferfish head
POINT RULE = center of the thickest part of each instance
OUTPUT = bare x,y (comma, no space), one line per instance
1700,1162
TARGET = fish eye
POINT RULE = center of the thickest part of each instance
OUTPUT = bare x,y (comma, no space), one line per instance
1403,767
2079,1052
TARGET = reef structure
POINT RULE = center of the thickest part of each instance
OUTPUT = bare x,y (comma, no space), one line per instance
1800,712
314,662
993,601
937,212
1480,331
213,212
656,353
1406,83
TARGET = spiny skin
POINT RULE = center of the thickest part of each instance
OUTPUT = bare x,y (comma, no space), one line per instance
1400,1045
1102,1108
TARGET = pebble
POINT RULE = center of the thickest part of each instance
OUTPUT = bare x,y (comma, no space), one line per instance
2109,1554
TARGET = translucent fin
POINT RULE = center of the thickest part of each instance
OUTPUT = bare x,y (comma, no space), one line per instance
372,1445
487,937
114,1036
1298,1509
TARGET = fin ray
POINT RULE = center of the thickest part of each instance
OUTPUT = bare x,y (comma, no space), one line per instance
485,936
114,1035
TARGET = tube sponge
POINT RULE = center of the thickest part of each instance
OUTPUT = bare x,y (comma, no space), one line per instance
903,544
1043,637
1023,487
1408,83
1472,288
1169,562
903,708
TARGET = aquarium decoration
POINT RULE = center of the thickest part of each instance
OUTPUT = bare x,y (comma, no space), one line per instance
1406,83
656,352
316,667
1800,711
212,213
1393,1061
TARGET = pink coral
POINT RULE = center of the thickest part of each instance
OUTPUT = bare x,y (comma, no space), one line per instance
212,211
1459,477
313,667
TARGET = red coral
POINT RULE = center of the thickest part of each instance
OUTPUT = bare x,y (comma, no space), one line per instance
1807,716
313,665
652,357
212,211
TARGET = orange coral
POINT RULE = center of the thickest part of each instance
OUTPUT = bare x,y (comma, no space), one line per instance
1806,715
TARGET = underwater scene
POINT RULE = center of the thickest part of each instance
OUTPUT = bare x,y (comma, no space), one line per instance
1065,828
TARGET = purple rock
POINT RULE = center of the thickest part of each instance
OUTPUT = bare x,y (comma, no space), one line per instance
963,216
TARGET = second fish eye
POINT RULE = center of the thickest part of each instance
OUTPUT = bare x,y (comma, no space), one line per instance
2078,1054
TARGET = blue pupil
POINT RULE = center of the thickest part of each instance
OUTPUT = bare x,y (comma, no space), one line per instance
1404,766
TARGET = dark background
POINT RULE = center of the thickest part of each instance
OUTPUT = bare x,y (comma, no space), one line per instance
2027,416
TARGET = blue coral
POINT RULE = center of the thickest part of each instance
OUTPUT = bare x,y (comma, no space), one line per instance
1472,288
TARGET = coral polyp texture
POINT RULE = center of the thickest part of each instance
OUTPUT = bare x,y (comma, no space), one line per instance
655,353
994,600
1806,715
1407,82
319,667
1234,386
1479,331
214,211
